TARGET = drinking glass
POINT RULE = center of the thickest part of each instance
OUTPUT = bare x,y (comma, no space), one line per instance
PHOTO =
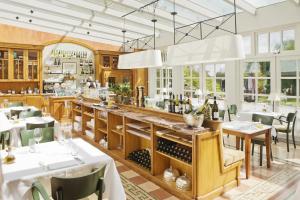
37,134
31,144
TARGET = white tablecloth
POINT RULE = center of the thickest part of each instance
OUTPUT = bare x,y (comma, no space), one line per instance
15,127
55,159
247,116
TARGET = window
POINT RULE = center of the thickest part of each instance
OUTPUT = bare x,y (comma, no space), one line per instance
257,81
215,80
247,44
263,43
163,80
290,80
191,80
276,41
288,40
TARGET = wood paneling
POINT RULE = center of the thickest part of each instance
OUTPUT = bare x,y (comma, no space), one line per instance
16,35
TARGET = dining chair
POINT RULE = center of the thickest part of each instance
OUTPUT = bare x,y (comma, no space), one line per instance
30,126
15,113
4,139
221,114
260,139
72,188
47,135
31,113
15,104
232,111
287,126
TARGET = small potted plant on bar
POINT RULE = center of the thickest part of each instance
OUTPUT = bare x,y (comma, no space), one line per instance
125,90
116,90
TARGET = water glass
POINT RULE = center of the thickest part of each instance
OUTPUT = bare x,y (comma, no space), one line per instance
31,144
37,134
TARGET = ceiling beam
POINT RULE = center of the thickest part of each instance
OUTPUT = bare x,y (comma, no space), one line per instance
24,13
197,8
244,5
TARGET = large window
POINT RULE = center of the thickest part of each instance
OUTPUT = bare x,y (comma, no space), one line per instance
215,80
247,44
256,81
276,41
191,80
164,80
290,81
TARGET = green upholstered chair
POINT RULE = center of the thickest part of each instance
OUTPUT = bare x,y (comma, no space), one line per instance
222,114
47,136
4,139
287,126
260,139
42,125
15,104
72,188
31,113
232,111
15,113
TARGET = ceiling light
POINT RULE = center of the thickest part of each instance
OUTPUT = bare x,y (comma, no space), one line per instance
142,59
223,48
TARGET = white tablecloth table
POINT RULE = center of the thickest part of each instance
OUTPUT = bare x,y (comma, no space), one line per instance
247,116
16,126
55,159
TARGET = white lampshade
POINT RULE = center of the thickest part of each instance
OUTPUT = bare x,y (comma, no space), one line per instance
223,48
141,59
274,97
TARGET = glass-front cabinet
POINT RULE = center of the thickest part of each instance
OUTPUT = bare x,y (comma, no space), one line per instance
33,64
18,66
3,64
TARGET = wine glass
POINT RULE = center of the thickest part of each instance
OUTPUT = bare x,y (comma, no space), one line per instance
37,134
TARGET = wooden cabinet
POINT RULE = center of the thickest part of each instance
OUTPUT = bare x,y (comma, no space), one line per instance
35,100
18,64
110,61
3,64
33,65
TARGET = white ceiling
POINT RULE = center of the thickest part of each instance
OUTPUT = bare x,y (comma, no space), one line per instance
101,21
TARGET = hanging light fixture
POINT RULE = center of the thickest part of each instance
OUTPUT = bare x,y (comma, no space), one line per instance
223,48
142,59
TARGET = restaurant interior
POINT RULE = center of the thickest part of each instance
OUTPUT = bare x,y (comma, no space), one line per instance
150,99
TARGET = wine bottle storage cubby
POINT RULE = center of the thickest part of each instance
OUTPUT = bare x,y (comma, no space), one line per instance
141,157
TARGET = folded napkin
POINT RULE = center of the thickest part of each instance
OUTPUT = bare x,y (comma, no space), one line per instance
58,162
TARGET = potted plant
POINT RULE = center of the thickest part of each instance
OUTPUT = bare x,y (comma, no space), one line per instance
116,90
125,90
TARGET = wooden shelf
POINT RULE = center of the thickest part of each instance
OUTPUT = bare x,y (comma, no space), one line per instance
172,186
77,110
139,166
88,114
90,127
102,130
118,132
102,119
139,134
173,158
141,127
170,138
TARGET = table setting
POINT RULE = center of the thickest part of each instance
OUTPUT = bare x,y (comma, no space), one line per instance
62,158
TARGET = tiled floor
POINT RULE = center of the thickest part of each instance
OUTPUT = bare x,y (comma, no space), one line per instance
279,182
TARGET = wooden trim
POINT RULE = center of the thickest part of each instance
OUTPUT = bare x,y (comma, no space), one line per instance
71,41
21,46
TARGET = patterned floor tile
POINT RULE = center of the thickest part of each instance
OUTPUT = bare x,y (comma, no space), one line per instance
160,194
138,180
149,186
130,174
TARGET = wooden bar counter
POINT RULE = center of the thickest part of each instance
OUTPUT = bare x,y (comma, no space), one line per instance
212,171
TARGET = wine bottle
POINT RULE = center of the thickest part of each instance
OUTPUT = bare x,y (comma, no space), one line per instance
188,106
170,102
173,104
180,104
215,110
177,104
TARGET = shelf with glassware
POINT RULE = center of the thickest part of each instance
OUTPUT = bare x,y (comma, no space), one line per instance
20,69
157,144
88,120
76,117
101,127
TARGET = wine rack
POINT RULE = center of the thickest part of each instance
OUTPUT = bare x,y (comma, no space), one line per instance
175,150
141,157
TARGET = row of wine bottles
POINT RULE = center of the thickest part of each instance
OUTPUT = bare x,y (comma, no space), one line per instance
174,149
68,54
141,157
210,111
178,104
